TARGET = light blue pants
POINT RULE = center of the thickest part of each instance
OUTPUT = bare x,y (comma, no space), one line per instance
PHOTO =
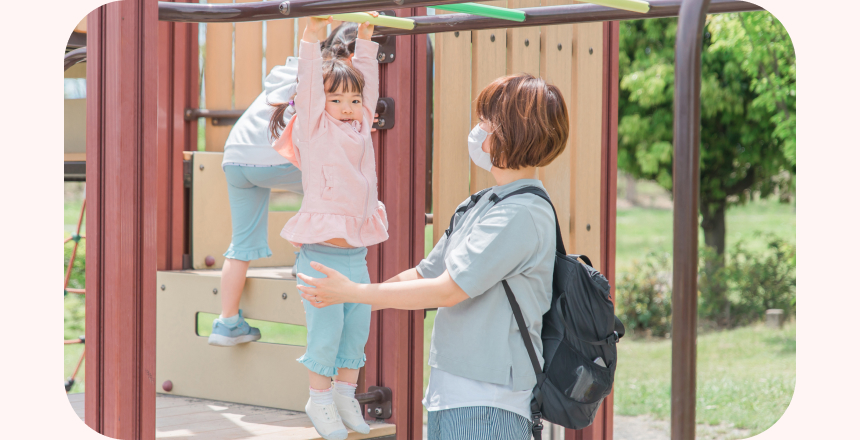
336,334
248,189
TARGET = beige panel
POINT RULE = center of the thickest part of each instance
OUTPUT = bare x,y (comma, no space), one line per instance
77,71
555,59
82,26
587,98
280,42
218,71
254,373
522,58
74,126
211,229
451,126
75,157
248,81
488,63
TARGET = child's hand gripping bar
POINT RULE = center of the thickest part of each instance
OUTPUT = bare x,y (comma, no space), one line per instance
382,20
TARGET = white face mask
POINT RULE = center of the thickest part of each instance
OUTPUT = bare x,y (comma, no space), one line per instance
481,158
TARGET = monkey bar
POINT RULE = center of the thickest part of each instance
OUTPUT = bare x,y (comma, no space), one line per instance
121,361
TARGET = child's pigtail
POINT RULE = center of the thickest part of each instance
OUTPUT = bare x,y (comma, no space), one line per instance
277,123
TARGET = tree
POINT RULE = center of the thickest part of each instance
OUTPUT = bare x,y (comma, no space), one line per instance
748,110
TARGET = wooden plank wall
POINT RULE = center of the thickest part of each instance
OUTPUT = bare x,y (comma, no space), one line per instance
234,84
570,57
497,52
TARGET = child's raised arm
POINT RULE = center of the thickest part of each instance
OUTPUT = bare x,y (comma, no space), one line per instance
310,92
365,61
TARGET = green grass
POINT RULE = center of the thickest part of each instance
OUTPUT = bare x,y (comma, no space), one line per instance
746,377
641,230
271,332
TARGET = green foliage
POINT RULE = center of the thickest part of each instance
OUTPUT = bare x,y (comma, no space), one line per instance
644,296
74,312
751,282
748,106
758,281
78,277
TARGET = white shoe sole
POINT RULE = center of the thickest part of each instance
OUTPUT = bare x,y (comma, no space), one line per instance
226,341
364,428
337,435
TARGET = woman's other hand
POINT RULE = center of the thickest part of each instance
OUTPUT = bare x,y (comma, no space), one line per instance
322,292
316,28
365,30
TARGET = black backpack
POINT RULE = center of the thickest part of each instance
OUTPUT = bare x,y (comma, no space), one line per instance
579,329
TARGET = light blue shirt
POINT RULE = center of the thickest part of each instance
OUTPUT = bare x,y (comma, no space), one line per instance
513,240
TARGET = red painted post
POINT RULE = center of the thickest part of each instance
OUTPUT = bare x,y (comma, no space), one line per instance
395,350
178,71
602,428
122,222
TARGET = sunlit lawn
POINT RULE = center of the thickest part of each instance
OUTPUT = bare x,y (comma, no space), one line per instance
746,377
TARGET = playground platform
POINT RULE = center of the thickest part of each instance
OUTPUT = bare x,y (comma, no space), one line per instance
178,417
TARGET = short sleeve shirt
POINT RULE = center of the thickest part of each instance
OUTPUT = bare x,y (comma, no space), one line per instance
512,240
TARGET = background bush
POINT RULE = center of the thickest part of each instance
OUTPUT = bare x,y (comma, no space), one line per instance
758,281
731,293
644,296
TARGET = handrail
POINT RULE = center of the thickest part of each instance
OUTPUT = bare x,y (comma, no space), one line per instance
562,14
274,10
685,230
547,15
74,57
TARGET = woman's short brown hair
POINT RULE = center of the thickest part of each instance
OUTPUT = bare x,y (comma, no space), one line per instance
527,118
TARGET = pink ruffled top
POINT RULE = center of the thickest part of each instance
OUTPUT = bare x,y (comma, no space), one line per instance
336,158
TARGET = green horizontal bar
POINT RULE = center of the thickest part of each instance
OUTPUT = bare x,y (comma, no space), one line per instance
627,5
382,20
484,11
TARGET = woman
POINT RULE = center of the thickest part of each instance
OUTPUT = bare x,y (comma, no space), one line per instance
481,378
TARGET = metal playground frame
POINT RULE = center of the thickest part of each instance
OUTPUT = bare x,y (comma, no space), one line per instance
141,55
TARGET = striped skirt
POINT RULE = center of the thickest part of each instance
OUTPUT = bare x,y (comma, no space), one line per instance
477,423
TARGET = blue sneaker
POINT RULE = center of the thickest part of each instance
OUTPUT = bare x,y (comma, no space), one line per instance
227,336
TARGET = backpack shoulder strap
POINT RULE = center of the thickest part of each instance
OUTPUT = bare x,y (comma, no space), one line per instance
473,200
524,332
559,242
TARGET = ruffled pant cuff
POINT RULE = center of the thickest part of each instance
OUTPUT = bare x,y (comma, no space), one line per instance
316,367
249,255
353,364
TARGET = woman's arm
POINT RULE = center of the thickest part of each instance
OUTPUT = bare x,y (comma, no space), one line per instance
414,294
310,91
406,275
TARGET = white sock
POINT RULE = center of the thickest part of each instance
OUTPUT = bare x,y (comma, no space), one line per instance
321,397
231,321
345,388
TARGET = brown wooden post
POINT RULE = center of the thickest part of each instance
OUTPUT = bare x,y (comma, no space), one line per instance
395,348
122,190
177,90
602,428
688,78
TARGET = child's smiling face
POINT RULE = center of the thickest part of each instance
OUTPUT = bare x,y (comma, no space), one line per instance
343,105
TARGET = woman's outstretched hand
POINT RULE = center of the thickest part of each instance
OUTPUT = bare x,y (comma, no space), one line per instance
365,30
322,292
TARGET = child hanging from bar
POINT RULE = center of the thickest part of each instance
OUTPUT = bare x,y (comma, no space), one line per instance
329,140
